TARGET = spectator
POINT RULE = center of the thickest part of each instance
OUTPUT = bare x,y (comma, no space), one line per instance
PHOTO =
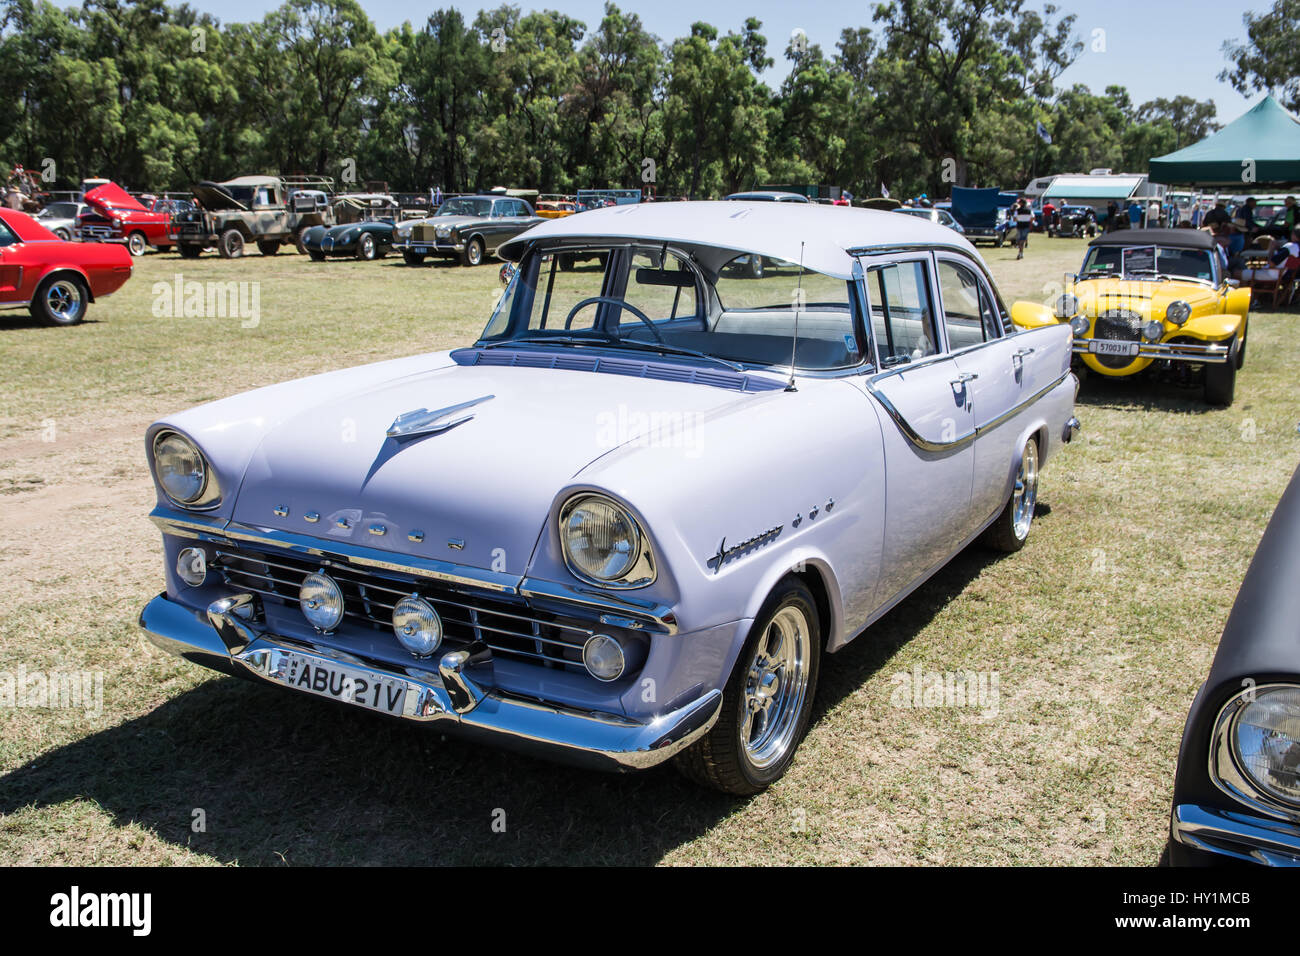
1024,220
1134,214
1292,217
1243,227
1112,215
1218,216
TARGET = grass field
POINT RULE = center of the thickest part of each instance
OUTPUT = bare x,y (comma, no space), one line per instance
1099,631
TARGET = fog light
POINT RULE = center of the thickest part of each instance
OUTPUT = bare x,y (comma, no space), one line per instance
192,566
417,626
1154,331
1079,326
603,657
321,601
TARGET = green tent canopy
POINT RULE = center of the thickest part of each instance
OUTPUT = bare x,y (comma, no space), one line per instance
1259,148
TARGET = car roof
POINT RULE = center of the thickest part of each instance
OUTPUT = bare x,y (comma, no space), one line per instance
767,195
1171,238
27,228
251,181
824,238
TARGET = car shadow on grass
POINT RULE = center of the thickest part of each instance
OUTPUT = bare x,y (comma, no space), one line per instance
1142,392
289,779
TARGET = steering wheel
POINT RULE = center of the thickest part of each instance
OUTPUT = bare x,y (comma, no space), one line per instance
645,319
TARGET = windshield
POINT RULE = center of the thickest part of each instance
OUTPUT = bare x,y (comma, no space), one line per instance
465,207
58,210
740,312
1149,261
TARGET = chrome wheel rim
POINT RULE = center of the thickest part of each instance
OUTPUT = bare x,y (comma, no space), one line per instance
136,244
63,300
475,253
776,684
1026,493
367,247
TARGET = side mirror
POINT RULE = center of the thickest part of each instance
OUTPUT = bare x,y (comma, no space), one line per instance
1032,315
1234,283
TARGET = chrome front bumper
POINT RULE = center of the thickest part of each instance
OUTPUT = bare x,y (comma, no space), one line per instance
447,696
1182,352
439,247
1235,835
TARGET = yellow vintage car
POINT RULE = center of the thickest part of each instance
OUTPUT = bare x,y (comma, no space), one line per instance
1157,301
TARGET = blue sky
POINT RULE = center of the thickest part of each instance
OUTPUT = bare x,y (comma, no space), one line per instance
1153,47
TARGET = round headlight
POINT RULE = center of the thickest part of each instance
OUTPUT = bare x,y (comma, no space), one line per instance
181,468
442,232
321,601
192,566
603,657
1154,331
600,539
1178,312
1079,326
417,625
1266,741
1067,305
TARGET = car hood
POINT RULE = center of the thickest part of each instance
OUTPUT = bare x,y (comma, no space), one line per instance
455,221
1148,298
213,197
112,196
487,482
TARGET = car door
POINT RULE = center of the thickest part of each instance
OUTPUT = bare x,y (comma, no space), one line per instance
1005,372
11,266
929,428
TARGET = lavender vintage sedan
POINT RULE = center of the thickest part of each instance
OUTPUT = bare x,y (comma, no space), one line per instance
627,523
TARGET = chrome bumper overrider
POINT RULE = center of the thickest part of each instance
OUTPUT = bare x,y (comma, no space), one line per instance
448,696
1182,352
1237,835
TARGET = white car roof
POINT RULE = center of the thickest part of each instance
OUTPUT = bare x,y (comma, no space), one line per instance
822,234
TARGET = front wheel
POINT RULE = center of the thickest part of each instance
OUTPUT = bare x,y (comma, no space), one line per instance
61,301
1221,381
231,245
1010,530
768,700
473,254
136,244
366,247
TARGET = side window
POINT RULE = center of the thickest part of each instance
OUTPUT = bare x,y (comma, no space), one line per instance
970,316
902,317
7,235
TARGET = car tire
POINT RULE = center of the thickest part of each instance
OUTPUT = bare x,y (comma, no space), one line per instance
137,244
268,247
997,243
315,255
473,254
61,300
1241,349
774,681
366,247
1221,380
299,240
754,268
189,251
63,234
1010,530
413,258
566,263
231,245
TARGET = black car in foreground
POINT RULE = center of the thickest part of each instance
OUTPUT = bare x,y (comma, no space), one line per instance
1237,789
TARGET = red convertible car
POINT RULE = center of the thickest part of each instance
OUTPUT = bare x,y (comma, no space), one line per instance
56,280
114,215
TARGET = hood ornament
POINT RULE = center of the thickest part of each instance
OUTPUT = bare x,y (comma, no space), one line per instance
421,421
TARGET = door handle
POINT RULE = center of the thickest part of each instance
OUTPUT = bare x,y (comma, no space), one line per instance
1021,353
964,377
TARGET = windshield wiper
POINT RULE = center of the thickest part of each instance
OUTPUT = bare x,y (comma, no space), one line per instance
674,350
544,339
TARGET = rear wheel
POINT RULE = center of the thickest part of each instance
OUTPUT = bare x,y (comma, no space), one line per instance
136,244
268,247
299,241
231,245
1221,380
1010,530
366,247
768,699
61,300
63,233
755,267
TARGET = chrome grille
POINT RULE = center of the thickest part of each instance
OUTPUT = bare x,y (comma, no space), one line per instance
510,628
1117,325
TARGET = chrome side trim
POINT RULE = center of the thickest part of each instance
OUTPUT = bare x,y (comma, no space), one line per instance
964,439
618,606
1235,835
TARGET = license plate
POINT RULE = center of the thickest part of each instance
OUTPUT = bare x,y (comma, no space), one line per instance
1105,347
352,685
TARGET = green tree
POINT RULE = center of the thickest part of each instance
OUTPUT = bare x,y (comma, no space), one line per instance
1270,57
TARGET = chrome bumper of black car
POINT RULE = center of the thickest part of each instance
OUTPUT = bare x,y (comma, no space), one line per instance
436,248
1238,836
445,694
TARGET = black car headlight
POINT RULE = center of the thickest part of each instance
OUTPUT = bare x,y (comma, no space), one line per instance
1255,752
183,472
603,543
